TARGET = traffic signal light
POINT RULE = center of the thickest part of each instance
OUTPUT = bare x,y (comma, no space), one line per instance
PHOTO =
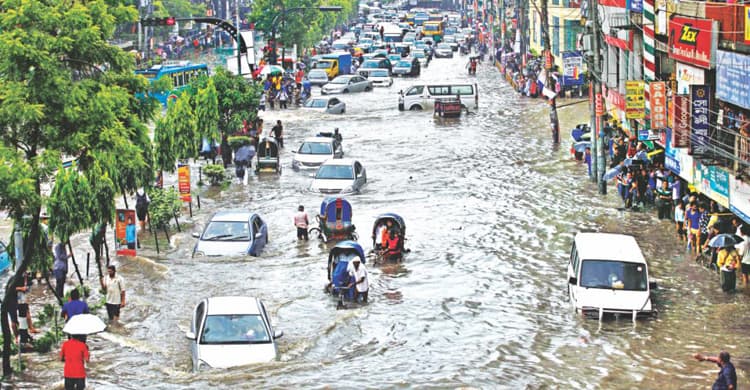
170,21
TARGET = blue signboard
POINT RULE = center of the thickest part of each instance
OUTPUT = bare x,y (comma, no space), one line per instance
672,164
700,97
668,149
635,6
572,68
643,135
732,78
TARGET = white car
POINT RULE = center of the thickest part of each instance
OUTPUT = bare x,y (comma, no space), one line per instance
231,331
330,105
317,77
339,176
347,84
380,78
443,50
608,275
232,233
315,150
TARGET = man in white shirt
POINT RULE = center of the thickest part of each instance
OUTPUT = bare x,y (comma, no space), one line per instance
115,290
358,275
379,237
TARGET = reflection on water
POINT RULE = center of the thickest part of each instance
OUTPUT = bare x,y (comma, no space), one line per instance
481,299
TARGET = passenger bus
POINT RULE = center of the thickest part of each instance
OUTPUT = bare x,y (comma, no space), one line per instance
181,73
434,30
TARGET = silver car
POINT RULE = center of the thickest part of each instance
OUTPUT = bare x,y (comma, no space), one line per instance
347,84
317,77
330,105
339,176
443,50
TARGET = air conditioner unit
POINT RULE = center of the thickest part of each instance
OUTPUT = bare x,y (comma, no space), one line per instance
588,42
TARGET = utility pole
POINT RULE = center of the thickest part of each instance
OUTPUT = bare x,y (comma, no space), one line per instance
553,120
598,149
238,37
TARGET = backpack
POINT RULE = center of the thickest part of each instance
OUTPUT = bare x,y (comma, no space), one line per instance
141,201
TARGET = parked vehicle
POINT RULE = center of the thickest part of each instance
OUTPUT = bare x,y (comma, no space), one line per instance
334,221
451,40
230,332
422,96
315,150
407,67
347,84
375,63
232,233
317,77
329,105
608,275
339,176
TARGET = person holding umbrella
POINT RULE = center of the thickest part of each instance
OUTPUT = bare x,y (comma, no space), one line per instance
727,259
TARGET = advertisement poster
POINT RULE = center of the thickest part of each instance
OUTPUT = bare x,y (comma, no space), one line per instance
700,98
125,238
732,76
183,181
747,24
681,121
658,100
693,40
572,68
635,101
739,198
714,182
688,75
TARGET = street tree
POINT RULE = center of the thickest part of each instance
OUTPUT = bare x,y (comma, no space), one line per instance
64,91
206,104
238,101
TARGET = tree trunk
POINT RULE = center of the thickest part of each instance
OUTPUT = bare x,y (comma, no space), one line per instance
54,292
75,265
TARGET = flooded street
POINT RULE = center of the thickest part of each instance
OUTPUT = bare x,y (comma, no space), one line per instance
491,207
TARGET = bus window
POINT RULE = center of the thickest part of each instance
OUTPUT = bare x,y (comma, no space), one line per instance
439,91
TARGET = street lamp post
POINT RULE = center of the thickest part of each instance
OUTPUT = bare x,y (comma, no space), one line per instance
282,14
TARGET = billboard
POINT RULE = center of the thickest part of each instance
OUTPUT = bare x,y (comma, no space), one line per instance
680,121
693,40
686,76
572,68
183,182
125,235
635,100
732,78
700,105
658,103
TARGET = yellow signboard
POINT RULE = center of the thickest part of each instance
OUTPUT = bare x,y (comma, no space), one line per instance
747,24
635,100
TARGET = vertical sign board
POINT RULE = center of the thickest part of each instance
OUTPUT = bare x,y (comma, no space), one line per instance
700,97
658,100
572,68
681,121
635,101
747,24
183,180
125,241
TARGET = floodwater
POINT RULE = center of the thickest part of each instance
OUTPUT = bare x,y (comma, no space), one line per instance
491,207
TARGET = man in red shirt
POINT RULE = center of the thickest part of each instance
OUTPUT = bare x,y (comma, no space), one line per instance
75,353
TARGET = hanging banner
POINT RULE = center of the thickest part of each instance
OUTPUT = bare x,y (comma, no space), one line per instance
658,101
693,40
739,198
681,121
183,181
686,76
732,78
700,98
747,24
125,238
572,68
635,101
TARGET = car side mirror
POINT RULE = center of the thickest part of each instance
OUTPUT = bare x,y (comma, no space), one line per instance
653,286
190,335
196,235
258,235
277,334
573,280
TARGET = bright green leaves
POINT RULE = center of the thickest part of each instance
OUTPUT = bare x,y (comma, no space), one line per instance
70,204
165,204
207,111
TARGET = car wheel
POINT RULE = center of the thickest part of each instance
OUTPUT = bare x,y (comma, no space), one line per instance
346,91
343,110
415,108
368,89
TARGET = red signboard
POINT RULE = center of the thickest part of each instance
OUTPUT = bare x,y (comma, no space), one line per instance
681,121
615,98
125,234
183,181
731,18
599,106
692,40
658,100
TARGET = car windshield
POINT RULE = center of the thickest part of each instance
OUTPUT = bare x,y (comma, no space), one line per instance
449,39
227,231
234,329
323,65
418,54
340,80
379,73
335,172
316,103
315,74
404,64
371,64
444,46
618,275
315,148
430,27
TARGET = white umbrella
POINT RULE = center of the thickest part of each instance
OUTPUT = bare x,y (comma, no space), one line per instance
268,69
84,324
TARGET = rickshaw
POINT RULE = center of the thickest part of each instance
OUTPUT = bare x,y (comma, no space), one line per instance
268,156
338,270
334,221
397,225
448,107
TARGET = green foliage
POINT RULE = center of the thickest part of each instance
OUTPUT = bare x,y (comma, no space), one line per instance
215,173
165,152
237,102
164,204
44,343
46,315
17,184
206,103
38,259
70,204
184,125
236,141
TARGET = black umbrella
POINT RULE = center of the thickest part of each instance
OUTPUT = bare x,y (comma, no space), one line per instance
245,153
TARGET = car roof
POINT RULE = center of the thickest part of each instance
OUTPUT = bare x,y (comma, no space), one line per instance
232,215
317,71
608,247
346,76
327,140
340,161
232,305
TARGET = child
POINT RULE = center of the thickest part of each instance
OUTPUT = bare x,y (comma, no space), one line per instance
679,220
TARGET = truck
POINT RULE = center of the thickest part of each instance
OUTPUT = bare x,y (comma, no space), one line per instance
335,64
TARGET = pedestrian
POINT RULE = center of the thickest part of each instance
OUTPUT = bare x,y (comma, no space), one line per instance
679,219
301,222
60,268
262,104
728,261
130,233
75,354
358,280
74,306
692,225
727,378
664,200
270,98
743,250
114,286
278,133
283,98
587,158
141,206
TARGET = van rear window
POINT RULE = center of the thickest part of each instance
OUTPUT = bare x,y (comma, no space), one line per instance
462,90
440,91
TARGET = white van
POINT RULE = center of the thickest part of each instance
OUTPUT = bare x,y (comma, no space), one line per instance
607,274
422,97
